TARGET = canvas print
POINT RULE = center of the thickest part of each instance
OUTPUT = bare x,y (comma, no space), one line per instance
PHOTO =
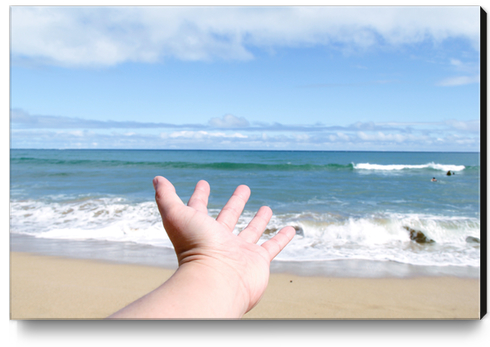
243,162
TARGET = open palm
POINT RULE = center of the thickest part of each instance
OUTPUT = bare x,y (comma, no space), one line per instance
199,238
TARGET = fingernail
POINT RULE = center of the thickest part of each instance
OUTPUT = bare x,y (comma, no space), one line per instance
155,183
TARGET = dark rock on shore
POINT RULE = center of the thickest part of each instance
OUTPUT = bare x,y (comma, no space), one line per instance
471,239
418,236
271,231
299,230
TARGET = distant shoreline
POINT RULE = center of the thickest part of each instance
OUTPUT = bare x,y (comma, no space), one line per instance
232,150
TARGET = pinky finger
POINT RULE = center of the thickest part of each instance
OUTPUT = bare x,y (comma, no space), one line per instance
279,241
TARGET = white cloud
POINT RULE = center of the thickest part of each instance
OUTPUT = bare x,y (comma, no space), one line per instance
449,135
104,36
468,71
459,81
361,140
201,135
471,126
77,133
23,119
229,121
467,67
382,137
343,137
456,62
301,137
364,126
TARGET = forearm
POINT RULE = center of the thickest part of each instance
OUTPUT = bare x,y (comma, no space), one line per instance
194,291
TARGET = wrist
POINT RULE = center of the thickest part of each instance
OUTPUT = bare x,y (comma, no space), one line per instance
218,286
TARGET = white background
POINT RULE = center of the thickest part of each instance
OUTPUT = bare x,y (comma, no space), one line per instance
238,333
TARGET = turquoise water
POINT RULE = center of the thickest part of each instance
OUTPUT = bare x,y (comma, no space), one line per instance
345,205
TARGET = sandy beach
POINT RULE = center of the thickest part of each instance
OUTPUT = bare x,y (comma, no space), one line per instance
46,287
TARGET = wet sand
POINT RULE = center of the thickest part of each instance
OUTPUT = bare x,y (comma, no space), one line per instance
47,287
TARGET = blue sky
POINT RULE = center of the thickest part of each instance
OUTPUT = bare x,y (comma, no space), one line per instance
292,78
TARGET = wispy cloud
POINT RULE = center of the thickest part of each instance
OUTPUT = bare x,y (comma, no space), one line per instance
356,84
383,141
464,72
233,132
105,36
467,126
20,118
459,81
199,135
229,121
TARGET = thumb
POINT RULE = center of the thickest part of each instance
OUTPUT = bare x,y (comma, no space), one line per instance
165,195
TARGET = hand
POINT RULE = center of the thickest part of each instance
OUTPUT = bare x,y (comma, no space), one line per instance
220,274
199,239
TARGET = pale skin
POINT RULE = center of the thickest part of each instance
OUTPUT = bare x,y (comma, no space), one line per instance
220,275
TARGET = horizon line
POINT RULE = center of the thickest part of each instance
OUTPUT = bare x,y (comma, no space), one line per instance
243,150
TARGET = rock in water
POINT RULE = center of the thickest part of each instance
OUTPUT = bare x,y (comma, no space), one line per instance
299,230
471,239
271,231
418,236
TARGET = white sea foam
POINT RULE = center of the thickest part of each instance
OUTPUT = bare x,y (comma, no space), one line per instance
396,167
101,219
322,236
386,238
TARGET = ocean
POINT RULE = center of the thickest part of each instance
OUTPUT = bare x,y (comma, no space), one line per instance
356,213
